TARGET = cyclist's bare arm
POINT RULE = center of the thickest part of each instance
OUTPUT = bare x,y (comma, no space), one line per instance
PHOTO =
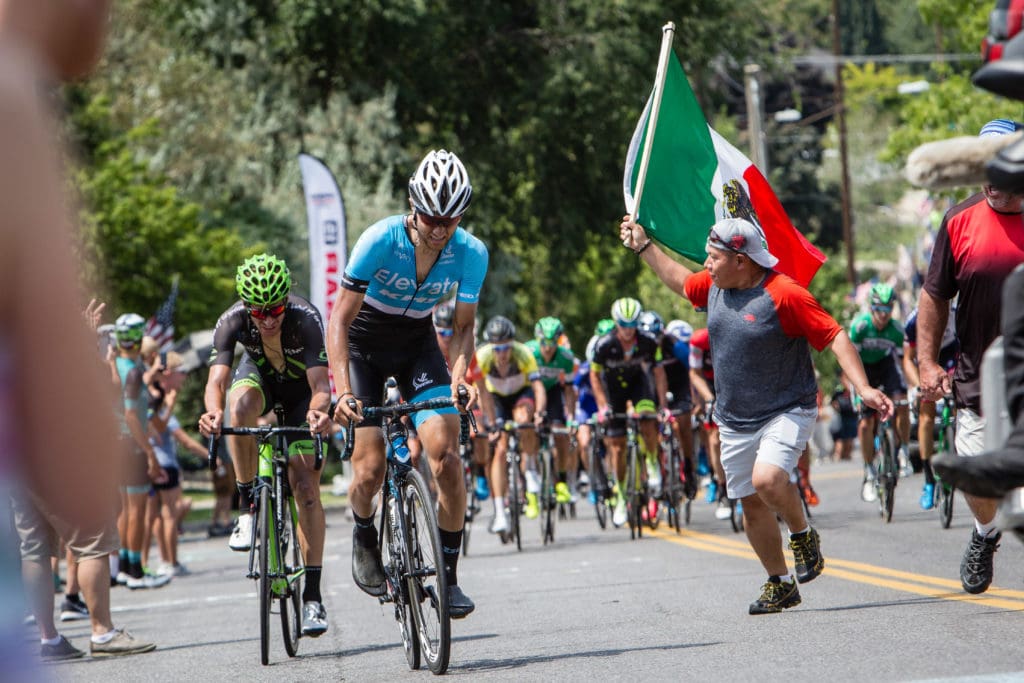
462,349
320,402
595,384
540,396
698,382
213,398
849,360
344,312
910,365
661,386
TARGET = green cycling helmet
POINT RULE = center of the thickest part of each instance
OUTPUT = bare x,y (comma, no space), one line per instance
882,295
604,326
548,329
263,280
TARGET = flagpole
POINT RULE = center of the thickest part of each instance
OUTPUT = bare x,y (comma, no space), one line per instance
668,31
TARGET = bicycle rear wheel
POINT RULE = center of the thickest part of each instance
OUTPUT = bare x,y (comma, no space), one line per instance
428,584
265,518
291,600
674,485
472,506
395,530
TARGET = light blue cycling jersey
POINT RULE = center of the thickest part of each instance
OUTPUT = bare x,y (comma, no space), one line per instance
383,267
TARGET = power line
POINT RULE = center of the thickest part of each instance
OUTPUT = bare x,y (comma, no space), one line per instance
831,60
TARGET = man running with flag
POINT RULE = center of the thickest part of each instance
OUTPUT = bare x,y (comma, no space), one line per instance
762,321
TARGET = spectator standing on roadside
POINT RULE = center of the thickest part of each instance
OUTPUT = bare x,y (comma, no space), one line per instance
980,241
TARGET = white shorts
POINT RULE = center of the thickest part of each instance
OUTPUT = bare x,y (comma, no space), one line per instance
779,442
970,433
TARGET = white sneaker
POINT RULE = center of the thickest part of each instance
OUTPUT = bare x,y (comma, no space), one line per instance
148,581
242,533
906,469
867,492
619,515
723,511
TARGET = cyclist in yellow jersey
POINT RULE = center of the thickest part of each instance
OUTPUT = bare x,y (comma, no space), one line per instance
514,392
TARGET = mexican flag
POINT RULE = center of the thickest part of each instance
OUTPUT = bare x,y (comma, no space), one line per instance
694,178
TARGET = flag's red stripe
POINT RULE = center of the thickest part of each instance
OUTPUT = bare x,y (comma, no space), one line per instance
798,258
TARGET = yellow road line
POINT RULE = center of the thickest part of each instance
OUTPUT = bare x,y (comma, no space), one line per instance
860,572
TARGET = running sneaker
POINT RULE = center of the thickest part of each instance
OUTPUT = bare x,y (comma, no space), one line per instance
73,610
532,509
241,536
807,556
62,650
776,595
712,494
122,644
928,497
483,492
122,578
314,619
619,514
562,493
976,567
723,511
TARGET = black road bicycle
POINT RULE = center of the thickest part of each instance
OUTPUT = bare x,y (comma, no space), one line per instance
410,541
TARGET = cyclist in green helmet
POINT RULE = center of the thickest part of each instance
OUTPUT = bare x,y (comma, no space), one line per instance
284,361
557,366
879,340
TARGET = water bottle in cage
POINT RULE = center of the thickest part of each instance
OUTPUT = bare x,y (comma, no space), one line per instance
397,442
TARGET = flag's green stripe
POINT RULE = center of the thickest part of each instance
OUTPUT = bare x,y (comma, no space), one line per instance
677,206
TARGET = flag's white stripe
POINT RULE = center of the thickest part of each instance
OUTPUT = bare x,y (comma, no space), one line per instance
632,158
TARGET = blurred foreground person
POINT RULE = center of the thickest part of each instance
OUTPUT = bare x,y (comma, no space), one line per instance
63,476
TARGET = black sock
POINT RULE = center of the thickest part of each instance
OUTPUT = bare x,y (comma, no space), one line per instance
311,591
451,543
563,477
135,570
929,476
73,597
365,532
245,496
477,470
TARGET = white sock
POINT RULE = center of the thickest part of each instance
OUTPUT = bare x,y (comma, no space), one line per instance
985,530
50,641
105,638
499,505
115,564
797,533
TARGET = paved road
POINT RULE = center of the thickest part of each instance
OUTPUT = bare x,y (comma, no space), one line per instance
597,605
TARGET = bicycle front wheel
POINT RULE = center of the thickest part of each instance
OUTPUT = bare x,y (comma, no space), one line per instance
291,562
887,475
472,506
547,500
598,485
394,539
428,584
633,494
265,519
514,501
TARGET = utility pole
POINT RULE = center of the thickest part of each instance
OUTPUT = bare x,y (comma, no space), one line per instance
755,116
844,188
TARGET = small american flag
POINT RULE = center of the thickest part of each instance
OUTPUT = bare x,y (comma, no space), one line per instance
161,326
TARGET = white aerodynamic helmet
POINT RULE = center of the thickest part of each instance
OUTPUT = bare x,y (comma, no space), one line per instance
440,187
680,329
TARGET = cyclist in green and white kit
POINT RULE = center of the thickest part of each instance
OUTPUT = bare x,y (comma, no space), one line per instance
879,340
557,366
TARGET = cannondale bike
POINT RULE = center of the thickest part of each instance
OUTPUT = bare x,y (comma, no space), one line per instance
275,559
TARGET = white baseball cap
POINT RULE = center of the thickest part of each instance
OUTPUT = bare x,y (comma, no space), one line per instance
743,237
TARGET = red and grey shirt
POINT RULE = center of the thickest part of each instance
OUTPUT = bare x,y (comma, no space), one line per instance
762,338
976,249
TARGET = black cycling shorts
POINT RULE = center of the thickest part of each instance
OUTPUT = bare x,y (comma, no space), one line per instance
618,396
886,376
418,366
293,395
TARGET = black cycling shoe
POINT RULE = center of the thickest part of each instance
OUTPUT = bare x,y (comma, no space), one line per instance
367,569
459,604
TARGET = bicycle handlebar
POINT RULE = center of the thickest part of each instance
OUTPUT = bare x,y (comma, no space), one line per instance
263,433
403,409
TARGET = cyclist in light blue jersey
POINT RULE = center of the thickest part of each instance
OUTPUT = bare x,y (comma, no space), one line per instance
381,326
